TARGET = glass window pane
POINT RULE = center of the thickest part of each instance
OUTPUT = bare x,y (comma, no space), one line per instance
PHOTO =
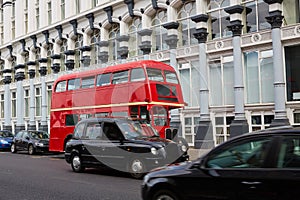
171,77
61,86
87,82
120,77
103,79
137,75
74,84
215,84
252,78
155,74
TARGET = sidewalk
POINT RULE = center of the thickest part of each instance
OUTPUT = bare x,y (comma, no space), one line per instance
196,153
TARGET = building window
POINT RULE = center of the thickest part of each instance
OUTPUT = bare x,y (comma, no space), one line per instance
186,26
218,19
38,104
37,14
292,61
261,121
62,9
2,105
221,75
26,102
94,3
134,37
95,38
49,12
259,76
190,129
78,44
13,22
222,128
159,33
13,104
189,79
37,66
113,44
256,13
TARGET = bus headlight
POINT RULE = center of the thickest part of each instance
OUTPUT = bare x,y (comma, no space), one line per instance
154,151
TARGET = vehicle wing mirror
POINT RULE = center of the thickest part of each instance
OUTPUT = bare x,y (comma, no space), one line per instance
27,138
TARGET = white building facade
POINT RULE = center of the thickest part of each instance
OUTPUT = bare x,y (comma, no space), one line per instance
237,60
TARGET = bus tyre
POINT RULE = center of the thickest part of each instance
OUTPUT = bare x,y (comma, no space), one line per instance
31,149
13,148
165,194
76,163
137,168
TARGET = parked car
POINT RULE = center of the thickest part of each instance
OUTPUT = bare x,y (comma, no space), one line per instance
31,141
5,139
262,165
121,144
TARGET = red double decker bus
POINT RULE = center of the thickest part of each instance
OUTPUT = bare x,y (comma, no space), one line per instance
145,90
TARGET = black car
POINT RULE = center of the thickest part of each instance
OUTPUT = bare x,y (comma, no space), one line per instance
263,165
121,144
31,141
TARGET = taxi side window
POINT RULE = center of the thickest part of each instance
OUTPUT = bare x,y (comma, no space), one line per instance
78,132
93,131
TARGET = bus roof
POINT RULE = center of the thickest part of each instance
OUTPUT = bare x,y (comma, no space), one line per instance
118,67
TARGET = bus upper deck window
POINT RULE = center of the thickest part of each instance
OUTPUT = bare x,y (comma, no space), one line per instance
120,77
61,86
137,74
155,74
171,77
88,82
74,84
103,79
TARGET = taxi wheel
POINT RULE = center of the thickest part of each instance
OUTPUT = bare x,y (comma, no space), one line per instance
31,149
13,148
76,163
137,168
165,195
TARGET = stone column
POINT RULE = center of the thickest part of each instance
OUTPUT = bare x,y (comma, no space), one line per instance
145,33
7,98
19,77
103,45
204,134
239,125
86,50
275,19
70,53
43,72
31,71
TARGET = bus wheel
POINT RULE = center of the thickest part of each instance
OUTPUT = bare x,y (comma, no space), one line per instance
137,168
31,149
13,148
76,163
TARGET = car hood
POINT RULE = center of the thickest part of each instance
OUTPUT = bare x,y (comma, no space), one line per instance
8,139
153,141
171,170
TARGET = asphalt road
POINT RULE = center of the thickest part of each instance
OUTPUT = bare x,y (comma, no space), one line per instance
43,177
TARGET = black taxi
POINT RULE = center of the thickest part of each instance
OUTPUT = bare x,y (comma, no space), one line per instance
121,144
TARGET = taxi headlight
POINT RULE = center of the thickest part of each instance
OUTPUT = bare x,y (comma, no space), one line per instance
183,148
154,151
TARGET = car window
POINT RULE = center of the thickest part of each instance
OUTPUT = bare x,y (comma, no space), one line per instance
19,134
93,131
289,153
78,132
5,134
25,135
111,131
245,154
